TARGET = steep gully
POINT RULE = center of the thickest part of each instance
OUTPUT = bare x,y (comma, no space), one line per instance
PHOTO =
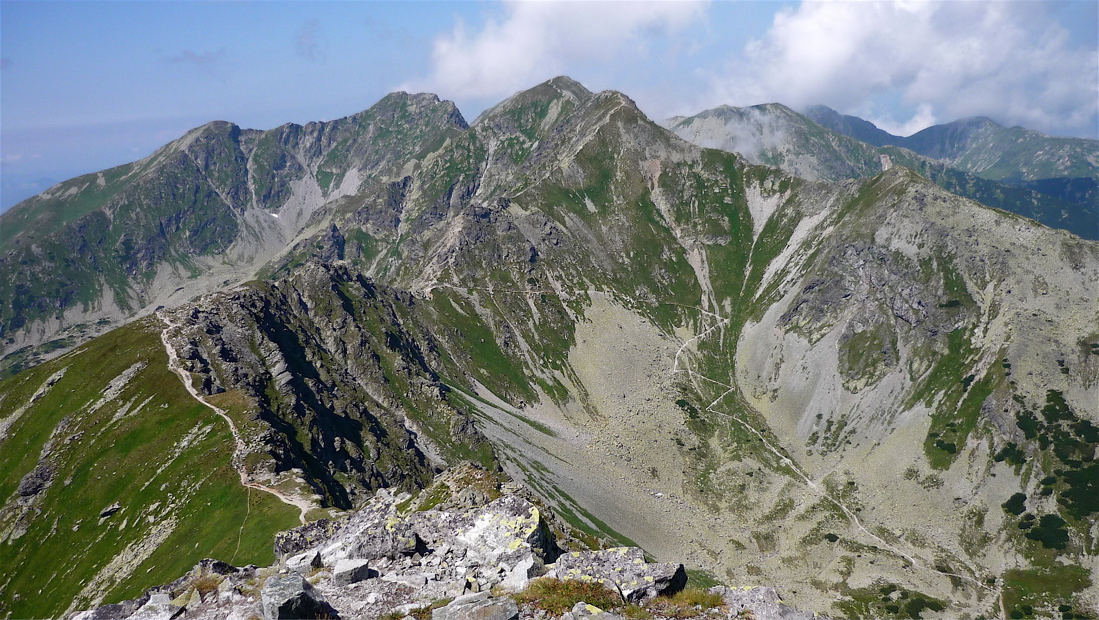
302,504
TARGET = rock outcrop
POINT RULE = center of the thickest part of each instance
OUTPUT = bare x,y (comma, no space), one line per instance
291,596
623,569
457,556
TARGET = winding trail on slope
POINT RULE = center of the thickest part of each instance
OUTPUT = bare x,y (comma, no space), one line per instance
302,504
786,460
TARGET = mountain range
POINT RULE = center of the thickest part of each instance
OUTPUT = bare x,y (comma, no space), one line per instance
1052,180
756,345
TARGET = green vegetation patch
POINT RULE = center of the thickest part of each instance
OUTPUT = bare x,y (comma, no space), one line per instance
1036,592
1050,531
866,356
962,396
477,343
557,596
888,600
147,469
1066,445
1015,504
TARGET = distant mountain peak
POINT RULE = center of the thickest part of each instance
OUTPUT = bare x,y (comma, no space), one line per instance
851,126
569,87
560,88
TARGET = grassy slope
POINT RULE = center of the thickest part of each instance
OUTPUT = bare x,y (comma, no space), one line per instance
113,462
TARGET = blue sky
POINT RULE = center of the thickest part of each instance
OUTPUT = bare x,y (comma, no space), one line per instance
88,85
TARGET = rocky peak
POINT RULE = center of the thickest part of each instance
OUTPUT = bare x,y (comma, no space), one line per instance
570,87
556,94
950,140
427,105
852,126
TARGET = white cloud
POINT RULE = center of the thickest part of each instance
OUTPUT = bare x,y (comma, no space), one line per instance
923,118
536,40
1007,60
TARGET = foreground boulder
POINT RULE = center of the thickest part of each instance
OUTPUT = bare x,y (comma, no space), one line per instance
291,596
584,611
623,569
347,572
478,606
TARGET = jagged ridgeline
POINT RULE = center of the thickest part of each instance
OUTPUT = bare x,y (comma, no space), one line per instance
200,213
874,394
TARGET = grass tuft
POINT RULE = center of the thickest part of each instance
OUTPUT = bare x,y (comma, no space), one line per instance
206,584
689,602
557,597
424,613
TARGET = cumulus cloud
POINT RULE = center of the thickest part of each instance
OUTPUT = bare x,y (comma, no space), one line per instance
1007,60
536,40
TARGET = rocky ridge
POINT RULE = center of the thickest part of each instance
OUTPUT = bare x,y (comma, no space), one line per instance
201,213
456,551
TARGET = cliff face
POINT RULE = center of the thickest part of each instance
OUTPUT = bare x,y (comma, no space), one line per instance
331,374
836,388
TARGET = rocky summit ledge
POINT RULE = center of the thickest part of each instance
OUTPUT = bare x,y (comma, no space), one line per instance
466,548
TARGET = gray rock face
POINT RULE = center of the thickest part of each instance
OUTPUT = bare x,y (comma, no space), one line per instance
158,608
39,478
624,569
125,609
479,606
291,596
347,572
762,602
110,510
304,562
302,538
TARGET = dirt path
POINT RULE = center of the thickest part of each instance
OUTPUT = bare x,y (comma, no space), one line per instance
913,560
302,504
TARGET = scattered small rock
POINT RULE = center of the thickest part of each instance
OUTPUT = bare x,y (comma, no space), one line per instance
110,510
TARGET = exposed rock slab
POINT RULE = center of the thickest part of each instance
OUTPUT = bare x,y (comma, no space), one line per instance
624,569
479,606
762,602
472,549
291,596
